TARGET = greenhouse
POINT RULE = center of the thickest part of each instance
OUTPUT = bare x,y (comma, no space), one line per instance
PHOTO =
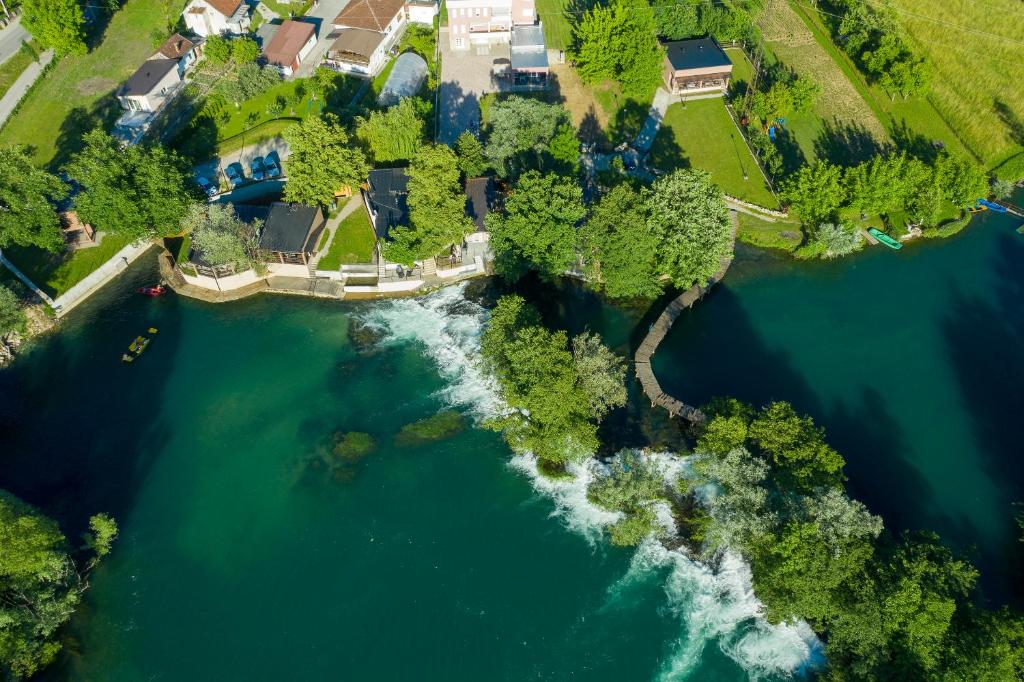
405,80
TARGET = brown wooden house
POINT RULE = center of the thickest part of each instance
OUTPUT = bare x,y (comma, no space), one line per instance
291,232
697,67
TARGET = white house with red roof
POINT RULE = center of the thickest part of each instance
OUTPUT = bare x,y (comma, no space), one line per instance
217,17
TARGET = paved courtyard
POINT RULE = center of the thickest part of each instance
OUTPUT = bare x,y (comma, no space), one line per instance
465,78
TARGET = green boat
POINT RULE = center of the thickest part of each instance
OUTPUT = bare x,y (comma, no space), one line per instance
884,238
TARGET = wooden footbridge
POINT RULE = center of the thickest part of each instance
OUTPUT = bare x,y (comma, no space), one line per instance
658,331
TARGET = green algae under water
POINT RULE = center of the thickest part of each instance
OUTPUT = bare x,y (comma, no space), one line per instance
913,361
238,559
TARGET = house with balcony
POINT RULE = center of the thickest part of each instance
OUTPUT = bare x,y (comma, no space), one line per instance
152,87
217,17
696,67
486,22
366,30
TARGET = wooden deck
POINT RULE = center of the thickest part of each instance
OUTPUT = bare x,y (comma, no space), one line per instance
658,331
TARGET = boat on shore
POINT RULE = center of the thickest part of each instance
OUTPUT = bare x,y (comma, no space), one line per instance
885,239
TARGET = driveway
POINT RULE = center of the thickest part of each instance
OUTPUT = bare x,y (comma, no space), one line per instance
214,169
11,38
323,17
465,78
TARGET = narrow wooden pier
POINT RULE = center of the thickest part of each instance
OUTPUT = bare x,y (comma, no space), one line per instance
658,331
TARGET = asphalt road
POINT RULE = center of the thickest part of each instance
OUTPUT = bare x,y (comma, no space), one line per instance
11,39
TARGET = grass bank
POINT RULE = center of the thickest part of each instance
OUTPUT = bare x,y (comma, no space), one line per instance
76,95
353,241
12,68
55,273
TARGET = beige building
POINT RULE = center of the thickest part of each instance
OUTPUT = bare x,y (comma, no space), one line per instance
697,67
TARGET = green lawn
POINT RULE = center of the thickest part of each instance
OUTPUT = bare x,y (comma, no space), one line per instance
353,241
11,69
56,273
557,29
75,96
702,135
768,235
283,9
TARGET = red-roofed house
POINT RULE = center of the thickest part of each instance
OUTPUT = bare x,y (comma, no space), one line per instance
292,43
217,17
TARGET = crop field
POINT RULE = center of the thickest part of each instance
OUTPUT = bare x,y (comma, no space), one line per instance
977,48
840,106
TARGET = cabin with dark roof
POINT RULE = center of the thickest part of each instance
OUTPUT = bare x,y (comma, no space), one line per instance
698,67
480,198
291,232
385,194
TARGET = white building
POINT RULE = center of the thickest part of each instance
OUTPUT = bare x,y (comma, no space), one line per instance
153,86
217,17
421,11
367,29
486,22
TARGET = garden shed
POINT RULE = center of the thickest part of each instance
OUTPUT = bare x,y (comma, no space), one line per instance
406,78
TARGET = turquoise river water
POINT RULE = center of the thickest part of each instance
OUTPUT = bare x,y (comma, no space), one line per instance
452,560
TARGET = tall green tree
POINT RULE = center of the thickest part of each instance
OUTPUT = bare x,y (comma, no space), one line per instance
27,193
537,229
244,50
321,161
222,238
40,585
393,134
797,447
520,133
58,24
437,208
620,246
136,191
619,41
815,192
472,161
687,210
12,317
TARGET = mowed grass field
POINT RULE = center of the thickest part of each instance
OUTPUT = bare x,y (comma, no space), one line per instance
557,28
74,96
977,49
702,135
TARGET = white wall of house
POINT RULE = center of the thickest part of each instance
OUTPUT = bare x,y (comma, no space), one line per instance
155,98
478,22
211,22
421,14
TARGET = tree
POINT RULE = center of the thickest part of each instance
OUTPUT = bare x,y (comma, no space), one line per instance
217,49
40,586
253,80
687,209
472,162
393,134
520,133
221,237
959,179
741,517
27,193
565,150
785,98
537,229
437,208
796,447
244,50
619,246
59,24
815,192
12,317
632,482
677,20
600,373
832,241
619,42
321,161
136,191
1002,189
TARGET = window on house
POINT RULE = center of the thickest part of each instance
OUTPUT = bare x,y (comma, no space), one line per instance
476,11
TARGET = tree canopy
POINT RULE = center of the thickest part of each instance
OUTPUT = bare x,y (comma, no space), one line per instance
619,41
136,191
687,210
393,134
40,585
541,380
59,24
221,237
27,193
472,161
321,161
537,229
437,208
520,133
815,192
620,247
12,317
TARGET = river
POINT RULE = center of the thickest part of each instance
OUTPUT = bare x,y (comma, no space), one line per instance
450,560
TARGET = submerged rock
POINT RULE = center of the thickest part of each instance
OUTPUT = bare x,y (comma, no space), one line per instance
353,445
437,427
365,338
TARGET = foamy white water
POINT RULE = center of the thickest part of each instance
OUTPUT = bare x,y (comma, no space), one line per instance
715,605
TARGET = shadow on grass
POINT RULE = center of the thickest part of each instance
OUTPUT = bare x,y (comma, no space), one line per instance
846,144
79,121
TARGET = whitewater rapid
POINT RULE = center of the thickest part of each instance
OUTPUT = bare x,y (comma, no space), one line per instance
714,604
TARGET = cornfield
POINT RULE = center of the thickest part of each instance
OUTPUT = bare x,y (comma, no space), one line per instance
977,48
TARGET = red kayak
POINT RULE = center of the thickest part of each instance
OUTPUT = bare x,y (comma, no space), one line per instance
151,291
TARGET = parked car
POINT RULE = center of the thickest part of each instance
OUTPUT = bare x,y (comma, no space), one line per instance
256,169
235,173
273,168
209,189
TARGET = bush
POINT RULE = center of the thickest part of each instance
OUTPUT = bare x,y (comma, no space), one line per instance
12,317
632,530
632,482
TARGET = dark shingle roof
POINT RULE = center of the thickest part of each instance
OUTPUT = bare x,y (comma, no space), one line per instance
696,54
479,198
289,227
387,194
148,75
